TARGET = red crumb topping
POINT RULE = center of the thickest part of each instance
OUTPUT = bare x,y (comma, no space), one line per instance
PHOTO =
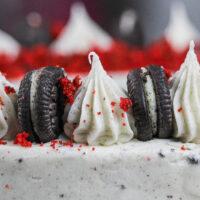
124,124
60,142
123,115
2,142
125,104
72,138
21,139
94,92
168,73
4,74
69,88
98,113
74,127
148,159
93,148
7,187
113,111
54,141
84,121
88,105
180,109
41,144
1,102
112,103
77,81
183,148
52,146
67,144
9,89
5,118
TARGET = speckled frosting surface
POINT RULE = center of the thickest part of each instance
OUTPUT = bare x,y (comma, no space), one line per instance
158,169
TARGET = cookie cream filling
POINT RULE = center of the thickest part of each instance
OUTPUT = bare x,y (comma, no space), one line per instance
185,93
34,83
8,110
151,100
95,116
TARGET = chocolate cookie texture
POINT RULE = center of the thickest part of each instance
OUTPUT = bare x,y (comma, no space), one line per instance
152,108
41,104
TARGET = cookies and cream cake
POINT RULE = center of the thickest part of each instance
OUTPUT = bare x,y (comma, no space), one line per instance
100,155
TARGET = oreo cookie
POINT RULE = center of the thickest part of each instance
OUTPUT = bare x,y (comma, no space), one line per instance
41,104
152,108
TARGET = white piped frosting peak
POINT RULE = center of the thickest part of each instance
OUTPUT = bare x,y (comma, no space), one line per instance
96,111
8,110
185,93
81,34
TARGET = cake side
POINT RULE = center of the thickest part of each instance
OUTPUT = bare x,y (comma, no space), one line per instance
158,169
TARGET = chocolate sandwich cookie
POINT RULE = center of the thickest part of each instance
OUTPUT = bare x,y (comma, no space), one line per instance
152,108
41,104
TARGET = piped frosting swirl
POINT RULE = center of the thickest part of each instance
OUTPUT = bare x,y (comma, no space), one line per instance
185,93
95,116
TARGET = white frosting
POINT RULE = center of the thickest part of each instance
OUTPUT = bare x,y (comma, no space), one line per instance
180,30
157,169
8,45
185,94
33,91
81,34
151,100
105,128
8,111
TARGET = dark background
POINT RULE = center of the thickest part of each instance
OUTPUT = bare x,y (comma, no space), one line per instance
153,15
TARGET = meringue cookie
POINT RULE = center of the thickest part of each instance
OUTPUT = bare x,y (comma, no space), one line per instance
96,110
185,93
8,110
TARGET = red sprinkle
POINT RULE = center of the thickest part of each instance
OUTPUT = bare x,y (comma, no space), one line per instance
125,104
79,149
94,92
41,144
124,124
148,159
72,138
180,109
80,145
93,148
22,97
9,90
98,113
1,102
113,103
74,127
21,139
88,105
2,142
5,118
113,111
86,144
123,115
7,187
183,148
54,141
84,121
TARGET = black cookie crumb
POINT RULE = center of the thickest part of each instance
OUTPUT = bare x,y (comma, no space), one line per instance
192,160
20,160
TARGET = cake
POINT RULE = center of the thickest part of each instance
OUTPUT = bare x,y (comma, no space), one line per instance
104,164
